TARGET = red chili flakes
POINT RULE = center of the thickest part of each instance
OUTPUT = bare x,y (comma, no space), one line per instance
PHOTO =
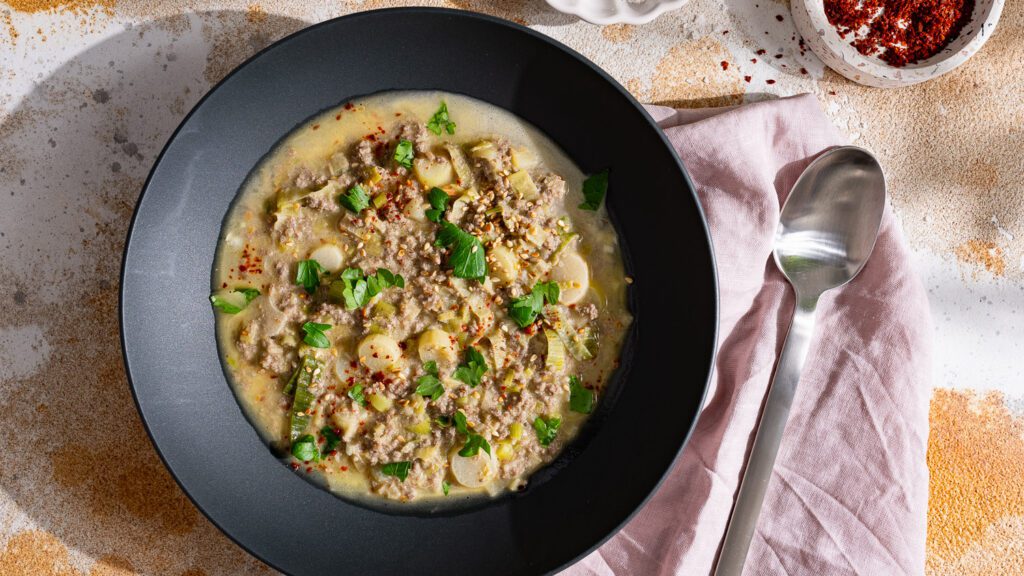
251,263
349,106
761,52
224,285
316,126
778,55
294,465
770,81
344,468
725,65
753,60
900,32
779,17
338,117
747,79
803,70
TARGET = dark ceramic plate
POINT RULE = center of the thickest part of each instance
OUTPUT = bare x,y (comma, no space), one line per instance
168,325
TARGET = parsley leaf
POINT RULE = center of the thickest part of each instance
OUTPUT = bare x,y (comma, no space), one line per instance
355,199
332,439
314,334
356,394
580,399
546,429
399,470
594,188
473,445
429,385
440,121
308,275
445,487
231,305
404,153
356,290
524,310
460,422
438,204
467,253
305,449
474,367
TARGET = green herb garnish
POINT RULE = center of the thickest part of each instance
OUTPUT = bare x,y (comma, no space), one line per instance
438,204
580,399
429,385
314,334
356,394
546,429
472,369
460,422
524,310
467,258
305,449
308,275
404,153
473,445
443,421
355,199
355,289
594,188
445,487
440,122
331,439
224,305
399,470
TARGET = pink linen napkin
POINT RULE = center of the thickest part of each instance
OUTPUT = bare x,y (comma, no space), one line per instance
850,486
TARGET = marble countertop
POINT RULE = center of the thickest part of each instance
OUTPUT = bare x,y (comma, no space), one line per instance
93,88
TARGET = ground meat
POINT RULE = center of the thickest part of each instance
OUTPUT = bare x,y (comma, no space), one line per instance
552,189
416,132
364,153
247,341
275,358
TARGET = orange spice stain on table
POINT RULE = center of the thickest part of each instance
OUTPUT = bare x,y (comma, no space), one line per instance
73,6
690,75
976,463
982,254
618,33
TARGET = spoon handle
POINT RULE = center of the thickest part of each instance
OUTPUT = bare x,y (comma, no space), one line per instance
767,439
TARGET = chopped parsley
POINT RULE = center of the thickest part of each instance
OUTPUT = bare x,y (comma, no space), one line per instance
305,449
355,199
473,445
308,275
355,289
399,470
580,399
404,153
466,259
356,394
228,306
440,122
429,385
594,188
314,334
460,422
445,487
474,442
546,429
524,310
438,204
472,369
331,439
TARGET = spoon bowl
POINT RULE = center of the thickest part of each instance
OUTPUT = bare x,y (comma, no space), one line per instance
830,220
826,233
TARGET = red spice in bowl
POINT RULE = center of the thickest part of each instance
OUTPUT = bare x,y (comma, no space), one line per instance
899,32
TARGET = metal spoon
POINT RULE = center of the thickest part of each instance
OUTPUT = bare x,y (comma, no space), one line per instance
828,228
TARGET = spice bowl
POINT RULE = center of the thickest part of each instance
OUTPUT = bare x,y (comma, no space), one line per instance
840,55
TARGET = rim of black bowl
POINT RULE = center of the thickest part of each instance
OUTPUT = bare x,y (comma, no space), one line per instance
630,337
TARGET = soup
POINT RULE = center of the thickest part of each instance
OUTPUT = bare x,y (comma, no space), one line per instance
418,295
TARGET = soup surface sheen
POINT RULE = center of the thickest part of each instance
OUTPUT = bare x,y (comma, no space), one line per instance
407,314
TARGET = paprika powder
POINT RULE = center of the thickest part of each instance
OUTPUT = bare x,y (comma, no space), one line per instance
899,32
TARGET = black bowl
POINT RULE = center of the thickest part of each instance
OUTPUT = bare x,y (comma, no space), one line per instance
168,325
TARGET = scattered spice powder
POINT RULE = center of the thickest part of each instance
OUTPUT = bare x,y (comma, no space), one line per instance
725,65
900,32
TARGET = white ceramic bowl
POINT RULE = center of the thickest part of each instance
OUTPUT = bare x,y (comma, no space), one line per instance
838,54
616,11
